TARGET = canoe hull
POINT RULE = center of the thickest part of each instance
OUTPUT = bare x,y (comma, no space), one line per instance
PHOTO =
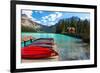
36,52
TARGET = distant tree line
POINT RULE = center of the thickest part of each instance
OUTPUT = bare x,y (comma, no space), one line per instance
82,27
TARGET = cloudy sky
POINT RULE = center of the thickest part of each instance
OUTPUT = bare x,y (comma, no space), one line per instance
49,18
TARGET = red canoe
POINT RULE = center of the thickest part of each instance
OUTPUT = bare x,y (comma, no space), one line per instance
36,52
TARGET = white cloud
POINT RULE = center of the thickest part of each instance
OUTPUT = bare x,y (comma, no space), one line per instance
52,23
51,19
86,17
44,21
38,12
59,14
38,21
29,14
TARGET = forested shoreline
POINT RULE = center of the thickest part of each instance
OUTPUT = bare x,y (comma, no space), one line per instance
81,28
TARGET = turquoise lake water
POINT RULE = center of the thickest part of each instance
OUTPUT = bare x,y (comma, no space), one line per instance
69,48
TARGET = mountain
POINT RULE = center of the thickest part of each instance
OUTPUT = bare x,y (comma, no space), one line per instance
28,25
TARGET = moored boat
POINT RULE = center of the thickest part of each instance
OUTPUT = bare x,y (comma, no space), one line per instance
37,52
